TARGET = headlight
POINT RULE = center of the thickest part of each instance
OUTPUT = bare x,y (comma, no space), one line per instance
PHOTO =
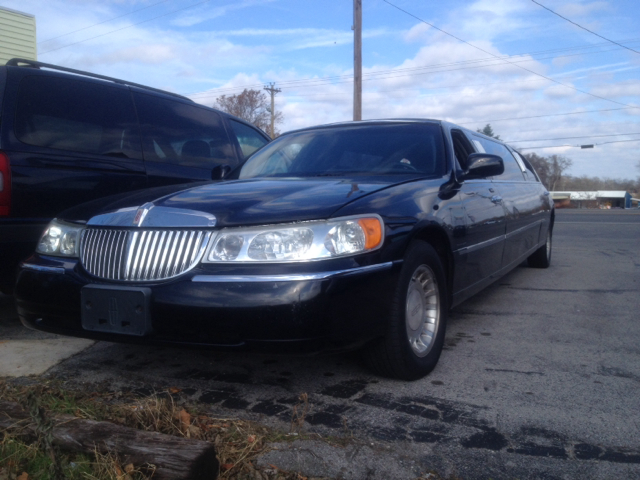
61,239
298,242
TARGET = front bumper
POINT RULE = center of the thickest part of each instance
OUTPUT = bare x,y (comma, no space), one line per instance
279,309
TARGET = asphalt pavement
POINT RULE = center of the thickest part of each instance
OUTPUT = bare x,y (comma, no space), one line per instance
540,378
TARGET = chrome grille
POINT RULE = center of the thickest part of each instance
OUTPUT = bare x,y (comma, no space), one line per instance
141,254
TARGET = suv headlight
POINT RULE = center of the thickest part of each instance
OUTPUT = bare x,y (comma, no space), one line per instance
302,241
61,239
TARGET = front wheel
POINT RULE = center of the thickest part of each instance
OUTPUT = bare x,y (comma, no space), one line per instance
541,258
416,327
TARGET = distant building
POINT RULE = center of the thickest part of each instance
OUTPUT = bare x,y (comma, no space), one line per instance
592,199
17,35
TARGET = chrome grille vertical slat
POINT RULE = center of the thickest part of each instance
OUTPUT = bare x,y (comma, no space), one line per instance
91,244
187,251
159,250
152,252
104,260
176,262
167,272
98,253
161,268
138,250
141,254
117,269
130,250
196,247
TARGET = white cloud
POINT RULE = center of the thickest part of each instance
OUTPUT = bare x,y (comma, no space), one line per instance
573,10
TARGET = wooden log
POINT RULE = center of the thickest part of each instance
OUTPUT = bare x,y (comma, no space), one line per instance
174,457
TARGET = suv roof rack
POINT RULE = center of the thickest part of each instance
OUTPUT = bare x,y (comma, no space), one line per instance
17,62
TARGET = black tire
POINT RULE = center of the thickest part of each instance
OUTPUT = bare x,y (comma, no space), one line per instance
399,353
541,258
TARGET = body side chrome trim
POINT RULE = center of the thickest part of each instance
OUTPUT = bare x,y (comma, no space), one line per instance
291,277
537,223
478,246
42,268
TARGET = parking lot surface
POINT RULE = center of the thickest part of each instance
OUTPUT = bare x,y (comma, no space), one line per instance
540,377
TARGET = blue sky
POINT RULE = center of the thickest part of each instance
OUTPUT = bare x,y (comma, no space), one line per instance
204,49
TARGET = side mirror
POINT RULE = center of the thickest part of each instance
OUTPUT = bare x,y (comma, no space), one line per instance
482,165
220,171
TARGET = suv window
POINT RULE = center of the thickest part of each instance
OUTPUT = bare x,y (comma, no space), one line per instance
76,115
249,139
512,170
183,134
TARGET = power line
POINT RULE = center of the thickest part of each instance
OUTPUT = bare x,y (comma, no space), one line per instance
348,78
595,144
547,115
319,82
586,29
507,61
418,87
100,23
570,138
124,28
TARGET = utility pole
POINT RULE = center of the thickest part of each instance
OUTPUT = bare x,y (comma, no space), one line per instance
357,60
272,90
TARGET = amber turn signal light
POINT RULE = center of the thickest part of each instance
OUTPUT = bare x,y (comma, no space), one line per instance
372,232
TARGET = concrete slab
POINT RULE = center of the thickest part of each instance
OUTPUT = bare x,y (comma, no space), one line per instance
34,357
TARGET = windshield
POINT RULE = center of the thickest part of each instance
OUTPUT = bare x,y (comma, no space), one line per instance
360,149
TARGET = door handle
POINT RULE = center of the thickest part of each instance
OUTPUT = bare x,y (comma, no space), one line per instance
496,199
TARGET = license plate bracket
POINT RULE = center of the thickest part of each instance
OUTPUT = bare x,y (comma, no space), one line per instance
114,309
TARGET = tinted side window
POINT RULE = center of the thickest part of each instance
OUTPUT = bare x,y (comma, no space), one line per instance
530,174
69,114
249,139
183,134
512,170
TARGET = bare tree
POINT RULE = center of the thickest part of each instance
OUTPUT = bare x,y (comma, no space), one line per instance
541,166
252,106
557,166
550,169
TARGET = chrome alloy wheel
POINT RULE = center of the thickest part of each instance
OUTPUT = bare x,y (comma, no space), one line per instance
422,310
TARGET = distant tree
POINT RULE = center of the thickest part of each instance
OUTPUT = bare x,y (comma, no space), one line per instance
488,131
557,166
541,166
550,169
252,106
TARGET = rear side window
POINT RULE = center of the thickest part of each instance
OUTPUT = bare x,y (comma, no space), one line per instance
512,170
78,116
182,134
249,139
530,175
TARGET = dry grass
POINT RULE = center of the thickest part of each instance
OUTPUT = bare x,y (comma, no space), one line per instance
238,442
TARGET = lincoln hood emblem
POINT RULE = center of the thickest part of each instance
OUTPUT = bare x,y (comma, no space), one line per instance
153,216
141,213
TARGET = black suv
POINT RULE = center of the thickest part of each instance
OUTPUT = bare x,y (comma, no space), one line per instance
68,136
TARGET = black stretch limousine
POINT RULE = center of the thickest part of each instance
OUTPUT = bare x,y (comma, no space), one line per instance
353,235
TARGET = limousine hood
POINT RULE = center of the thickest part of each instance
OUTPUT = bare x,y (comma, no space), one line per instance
236,202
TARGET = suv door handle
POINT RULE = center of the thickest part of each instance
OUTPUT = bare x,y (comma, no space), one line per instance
496,199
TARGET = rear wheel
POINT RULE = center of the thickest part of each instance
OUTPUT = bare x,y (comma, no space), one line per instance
415,335
541,258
